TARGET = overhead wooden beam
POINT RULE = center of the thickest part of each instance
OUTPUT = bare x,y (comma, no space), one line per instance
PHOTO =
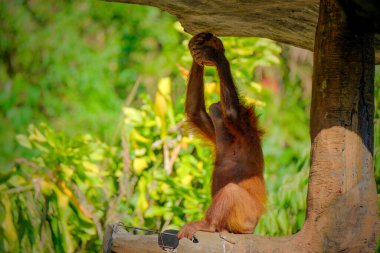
292,22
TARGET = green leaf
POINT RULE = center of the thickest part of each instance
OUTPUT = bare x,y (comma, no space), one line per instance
5,176
153,211
23,141
300,217
8,225
283,221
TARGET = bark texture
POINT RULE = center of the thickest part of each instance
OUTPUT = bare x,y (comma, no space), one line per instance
342,213
342,199
292,21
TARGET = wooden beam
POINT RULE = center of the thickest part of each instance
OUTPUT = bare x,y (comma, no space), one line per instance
292,22
123,242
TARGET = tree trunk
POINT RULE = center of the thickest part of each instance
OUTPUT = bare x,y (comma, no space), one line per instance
342,199
342,213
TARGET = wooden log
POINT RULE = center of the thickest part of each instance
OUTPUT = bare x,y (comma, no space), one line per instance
123,242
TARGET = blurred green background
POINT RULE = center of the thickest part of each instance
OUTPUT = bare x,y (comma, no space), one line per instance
92,125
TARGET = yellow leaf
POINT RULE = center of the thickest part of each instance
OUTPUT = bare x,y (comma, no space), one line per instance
255,102
258,87
178,27
46,188
160,105
37,136
132,115
9,229
185,140
142,202
140,151
211,88
162,96
23,140
139,164
61,188
164,86
68,171
164,186
90,167
138,137
186,180
62,199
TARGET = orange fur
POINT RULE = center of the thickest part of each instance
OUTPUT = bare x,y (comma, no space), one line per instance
238,188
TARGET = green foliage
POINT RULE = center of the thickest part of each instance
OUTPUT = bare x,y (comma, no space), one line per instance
181,190
159,177
172,178
73,62
57,199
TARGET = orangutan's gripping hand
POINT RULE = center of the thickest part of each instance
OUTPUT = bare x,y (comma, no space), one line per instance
206,49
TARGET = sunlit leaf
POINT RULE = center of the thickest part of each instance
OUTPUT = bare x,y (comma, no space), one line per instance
132,115
135,135
36,135
67,170
8,226
139,164
160,109
283,221
155,211
186,180
23,140
142,203
4,176
90,167
46,187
